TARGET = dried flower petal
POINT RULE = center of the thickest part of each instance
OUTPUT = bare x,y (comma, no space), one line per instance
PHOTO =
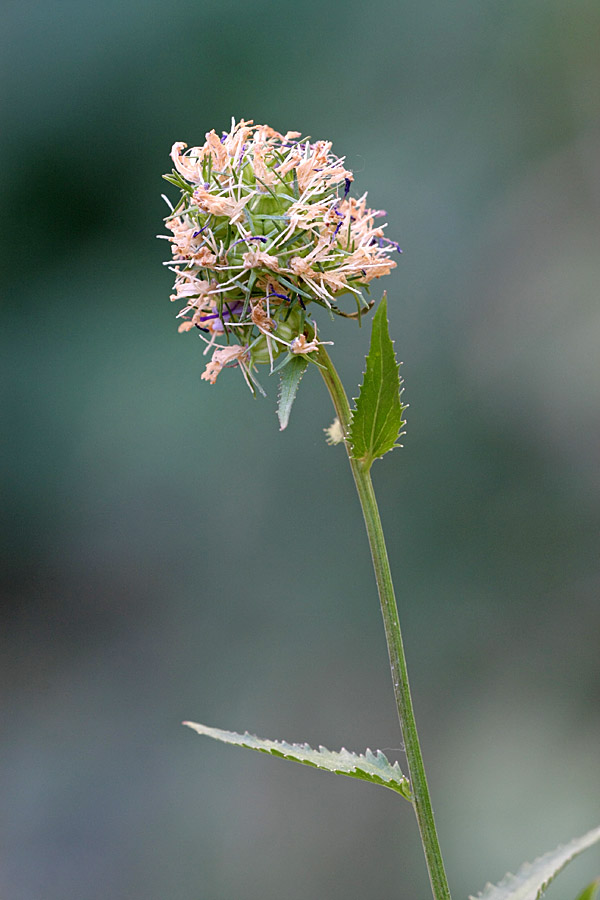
264,227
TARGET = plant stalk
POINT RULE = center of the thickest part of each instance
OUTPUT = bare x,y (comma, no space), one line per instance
393,634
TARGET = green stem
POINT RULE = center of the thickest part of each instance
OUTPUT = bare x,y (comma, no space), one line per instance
393,634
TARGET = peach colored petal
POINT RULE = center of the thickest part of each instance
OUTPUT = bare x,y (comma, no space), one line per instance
261,170
255,259
190,164
220,205
222,357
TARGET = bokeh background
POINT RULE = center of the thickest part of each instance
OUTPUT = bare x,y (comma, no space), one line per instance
169,554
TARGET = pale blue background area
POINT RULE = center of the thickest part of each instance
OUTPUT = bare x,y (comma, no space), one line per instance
171,555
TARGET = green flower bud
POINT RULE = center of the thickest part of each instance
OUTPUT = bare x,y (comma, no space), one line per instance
260,350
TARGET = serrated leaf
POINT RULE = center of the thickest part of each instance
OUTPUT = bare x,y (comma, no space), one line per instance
532,879
373,767
591,892
377,419
291,375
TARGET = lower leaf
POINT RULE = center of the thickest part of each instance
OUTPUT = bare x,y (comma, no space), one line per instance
532,879
373,767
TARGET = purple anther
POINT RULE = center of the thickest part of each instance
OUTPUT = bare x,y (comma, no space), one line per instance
281,296
229,311
243,241
394,244
347,183
196,233
223,317
223,137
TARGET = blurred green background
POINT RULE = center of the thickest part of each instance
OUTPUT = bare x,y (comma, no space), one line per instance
170,554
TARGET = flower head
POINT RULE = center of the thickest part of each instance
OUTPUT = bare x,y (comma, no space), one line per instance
264,228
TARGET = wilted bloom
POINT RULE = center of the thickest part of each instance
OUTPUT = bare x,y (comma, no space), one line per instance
264,228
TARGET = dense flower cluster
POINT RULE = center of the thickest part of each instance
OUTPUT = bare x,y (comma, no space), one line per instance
266,226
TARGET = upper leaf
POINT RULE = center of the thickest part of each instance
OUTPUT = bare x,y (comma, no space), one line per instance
373,767
377,419
291,375
532,879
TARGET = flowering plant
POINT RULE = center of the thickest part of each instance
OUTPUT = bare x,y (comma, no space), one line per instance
265,230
